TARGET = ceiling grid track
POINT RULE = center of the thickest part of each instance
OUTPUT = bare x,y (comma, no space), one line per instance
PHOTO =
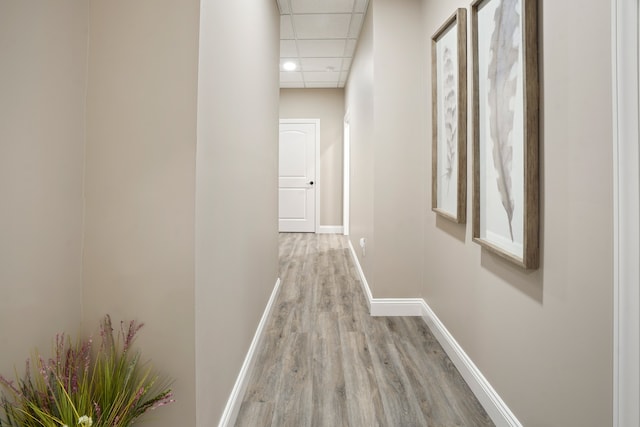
319,37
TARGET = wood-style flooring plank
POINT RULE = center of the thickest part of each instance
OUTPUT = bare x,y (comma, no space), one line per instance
293,404
328,382
364,404
444,380
268,368
254,413
325,361
401,406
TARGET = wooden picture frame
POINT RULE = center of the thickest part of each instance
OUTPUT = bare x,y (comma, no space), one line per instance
449,113
505,129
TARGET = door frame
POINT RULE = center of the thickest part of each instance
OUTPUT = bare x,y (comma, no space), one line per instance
316,185
346,173
626,213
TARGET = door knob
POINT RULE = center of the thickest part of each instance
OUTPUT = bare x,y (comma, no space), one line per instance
310,182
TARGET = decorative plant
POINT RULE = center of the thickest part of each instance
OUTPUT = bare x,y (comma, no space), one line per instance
80,386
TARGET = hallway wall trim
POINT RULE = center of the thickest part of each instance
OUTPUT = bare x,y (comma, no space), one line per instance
626,212
396,307
330,229
497,409
363,280
486,394
232,408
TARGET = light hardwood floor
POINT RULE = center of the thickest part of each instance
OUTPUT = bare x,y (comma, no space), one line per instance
325,362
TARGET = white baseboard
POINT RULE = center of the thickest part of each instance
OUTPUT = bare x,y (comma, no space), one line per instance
385,306
499,412
488,397
230,413
330,229
363,279
396,307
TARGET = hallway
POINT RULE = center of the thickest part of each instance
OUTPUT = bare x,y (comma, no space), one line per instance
325,362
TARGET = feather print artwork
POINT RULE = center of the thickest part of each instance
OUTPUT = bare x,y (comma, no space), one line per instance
450,113
502,90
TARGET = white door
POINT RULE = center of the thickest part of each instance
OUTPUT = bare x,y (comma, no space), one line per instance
298,181
346,175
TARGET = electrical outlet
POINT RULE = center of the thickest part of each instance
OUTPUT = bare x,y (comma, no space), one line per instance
363,246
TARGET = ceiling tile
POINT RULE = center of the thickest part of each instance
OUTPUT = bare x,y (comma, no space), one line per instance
322,6
288,48
286,28
321,64
321,48
283,5
321,76
351,47
321,84
291,85
320,36
290,76
321,26
361,6
356,24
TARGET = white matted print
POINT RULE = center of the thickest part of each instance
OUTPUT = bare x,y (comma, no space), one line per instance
449,94
506,129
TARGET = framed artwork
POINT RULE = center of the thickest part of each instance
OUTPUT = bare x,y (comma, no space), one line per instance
449,125
505,129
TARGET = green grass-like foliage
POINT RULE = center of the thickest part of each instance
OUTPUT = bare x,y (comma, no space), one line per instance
80,385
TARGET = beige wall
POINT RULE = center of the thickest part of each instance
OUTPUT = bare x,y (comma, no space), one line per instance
43,47
118,122
328,106
140,182
236,198
543,339
359,105
385,100
400,148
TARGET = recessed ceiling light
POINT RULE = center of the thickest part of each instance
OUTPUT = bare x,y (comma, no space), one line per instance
289,66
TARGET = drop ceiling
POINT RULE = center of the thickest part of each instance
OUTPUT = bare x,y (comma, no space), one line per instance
320,37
